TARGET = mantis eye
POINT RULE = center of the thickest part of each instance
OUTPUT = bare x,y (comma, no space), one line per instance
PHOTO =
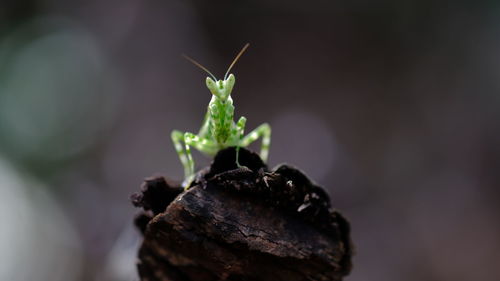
212,86
230,83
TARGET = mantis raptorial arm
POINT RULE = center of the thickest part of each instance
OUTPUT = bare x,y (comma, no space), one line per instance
183,143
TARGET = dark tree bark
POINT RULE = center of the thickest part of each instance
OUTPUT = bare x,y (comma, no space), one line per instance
244,223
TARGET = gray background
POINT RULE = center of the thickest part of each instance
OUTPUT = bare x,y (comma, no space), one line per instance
393,106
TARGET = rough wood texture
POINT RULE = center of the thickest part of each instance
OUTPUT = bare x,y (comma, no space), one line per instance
241,224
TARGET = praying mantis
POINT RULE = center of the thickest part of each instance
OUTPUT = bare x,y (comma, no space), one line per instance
219,130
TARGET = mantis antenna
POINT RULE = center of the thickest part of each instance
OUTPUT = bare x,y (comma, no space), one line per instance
199,65
236,59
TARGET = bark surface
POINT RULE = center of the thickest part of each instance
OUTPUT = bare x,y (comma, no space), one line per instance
244,223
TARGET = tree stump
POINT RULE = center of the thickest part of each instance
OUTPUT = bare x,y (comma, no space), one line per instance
241,223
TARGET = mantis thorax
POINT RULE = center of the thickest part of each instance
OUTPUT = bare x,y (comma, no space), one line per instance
221,109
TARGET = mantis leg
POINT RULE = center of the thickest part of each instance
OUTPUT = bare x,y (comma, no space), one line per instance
240,130
178,140
263,131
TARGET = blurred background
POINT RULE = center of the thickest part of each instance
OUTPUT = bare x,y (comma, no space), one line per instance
392,106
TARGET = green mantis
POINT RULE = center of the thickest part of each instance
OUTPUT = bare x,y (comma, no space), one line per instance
218,130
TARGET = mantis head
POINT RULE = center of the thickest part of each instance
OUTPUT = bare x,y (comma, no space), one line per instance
221,88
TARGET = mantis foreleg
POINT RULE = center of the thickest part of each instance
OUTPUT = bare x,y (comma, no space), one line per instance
240,130
205,146
202,144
